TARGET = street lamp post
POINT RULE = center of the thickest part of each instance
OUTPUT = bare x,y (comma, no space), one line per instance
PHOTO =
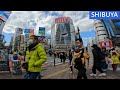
78,32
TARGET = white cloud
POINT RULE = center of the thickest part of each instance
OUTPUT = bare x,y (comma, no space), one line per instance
44,19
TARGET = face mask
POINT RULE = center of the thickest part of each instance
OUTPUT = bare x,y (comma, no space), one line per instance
30,41
78,46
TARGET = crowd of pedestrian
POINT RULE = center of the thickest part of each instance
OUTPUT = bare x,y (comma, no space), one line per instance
36,56
102,58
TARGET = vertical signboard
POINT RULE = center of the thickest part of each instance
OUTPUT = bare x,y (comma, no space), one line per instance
41,31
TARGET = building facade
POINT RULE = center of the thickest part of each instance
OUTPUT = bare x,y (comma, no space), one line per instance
100,29
62,33
17,39
113,29
102,34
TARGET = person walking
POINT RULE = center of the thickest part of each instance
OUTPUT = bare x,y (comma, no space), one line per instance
104,64
98,57
35,57
116,61
79,59
61,57
70,56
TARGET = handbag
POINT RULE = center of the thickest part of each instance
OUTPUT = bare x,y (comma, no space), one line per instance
25,65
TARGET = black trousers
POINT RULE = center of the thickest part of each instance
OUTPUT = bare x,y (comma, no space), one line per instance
82,73
97,67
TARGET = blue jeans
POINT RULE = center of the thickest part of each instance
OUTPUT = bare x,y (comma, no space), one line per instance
104,65
32,75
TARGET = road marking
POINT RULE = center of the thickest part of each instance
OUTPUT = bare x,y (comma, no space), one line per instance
54,74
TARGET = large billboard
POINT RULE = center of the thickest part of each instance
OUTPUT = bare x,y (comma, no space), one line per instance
63,33
41,31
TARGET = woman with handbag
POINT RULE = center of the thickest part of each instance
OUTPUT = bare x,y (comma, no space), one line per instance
35,57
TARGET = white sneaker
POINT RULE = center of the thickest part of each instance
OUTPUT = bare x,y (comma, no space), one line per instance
93,75
104,70
102,74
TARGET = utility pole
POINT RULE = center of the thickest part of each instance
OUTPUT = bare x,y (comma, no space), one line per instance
78,32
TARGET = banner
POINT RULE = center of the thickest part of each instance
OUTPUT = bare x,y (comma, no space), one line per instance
41,31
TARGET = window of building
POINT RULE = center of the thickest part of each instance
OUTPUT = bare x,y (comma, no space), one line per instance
99,26
98,23
100,30
101,34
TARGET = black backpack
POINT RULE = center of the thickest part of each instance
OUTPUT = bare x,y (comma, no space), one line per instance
78,61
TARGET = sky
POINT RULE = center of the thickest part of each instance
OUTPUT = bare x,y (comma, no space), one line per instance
33,19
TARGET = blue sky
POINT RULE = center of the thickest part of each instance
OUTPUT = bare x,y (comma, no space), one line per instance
86,35
8,37
36,19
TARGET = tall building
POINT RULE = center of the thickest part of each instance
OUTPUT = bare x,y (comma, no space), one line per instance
101,33
17,38
63,32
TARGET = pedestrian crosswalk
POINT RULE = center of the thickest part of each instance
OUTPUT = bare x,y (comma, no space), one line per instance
50,62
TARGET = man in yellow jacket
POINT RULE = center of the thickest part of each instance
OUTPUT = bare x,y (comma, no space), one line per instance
79,59
35,57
